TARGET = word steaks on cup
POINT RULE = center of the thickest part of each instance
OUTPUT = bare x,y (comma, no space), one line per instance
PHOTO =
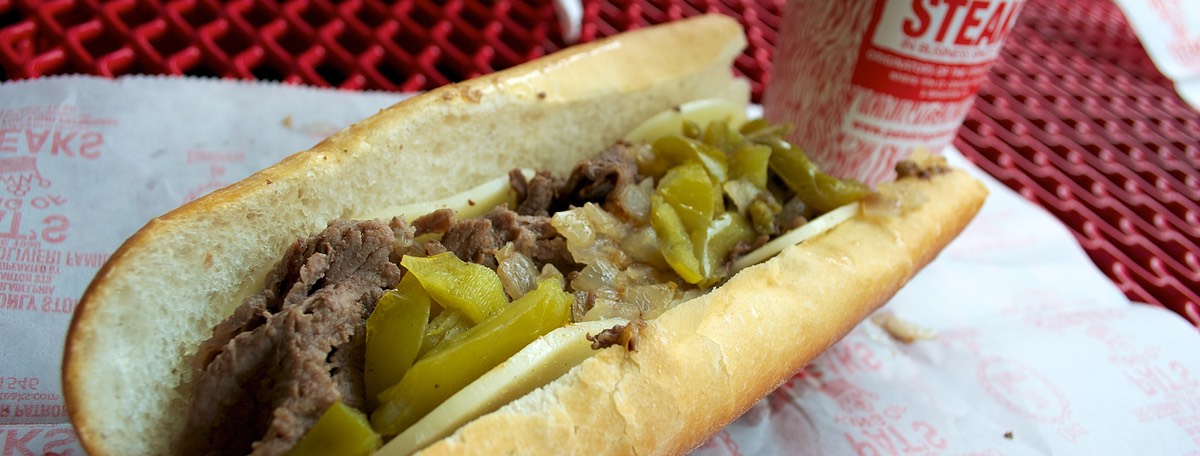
864,83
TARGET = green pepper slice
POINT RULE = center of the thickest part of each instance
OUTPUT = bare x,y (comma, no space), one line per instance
759,128
471,288
341,430
688,188
817,189
679,150
394,333
712,245
720,136
750,162
446,326
691,129
444,372
763,217
673,240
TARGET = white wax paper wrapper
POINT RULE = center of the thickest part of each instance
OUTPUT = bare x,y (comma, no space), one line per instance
1032,341
1170,32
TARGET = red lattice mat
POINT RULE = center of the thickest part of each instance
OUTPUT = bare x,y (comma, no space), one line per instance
1076,117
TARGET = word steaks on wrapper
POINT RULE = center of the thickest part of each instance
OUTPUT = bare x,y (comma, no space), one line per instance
34,215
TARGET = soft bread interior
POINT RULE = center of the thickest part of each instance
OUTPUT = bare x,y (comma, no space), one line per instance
126,368
705,362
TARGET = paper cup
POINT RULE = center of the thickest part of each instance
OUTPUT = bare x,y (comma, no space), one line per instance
863,83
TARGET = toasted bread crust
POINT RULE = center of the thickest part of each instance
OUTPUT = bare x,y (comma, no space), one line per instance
126,368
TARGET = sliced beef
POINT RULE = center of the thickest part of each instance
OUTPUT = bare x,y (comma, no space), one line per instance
584,301
595,179
435,222
793,215
476,240
290,352
591,181
533,236
473,240
434,247
742,248
538,195
405,242
520,185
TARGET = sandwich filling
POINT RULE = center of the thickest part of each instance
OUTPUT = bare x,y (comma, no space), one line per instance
389,318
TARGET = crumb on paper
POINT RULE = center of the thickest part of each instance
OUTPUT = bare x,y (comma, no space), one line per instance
901,330
1008,435
287,121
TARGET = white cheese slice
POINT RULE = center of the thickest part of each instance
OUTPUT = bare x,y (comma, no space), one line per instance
670,122
471,203
539,363
804,232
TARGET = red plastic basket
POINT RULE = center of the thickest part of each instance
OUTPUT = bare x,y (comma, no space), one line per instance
1076,117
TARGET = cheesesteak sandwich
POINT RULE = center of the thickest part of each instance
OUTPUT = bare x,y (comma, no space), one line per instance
639,266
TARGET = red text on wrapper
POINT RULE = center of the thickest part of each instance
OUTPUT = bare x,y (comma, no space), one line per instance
34,217
34,410
1163,379
27,272
1049,308
217,162
1170,387
1029,394
1023,390
919,438
850,357
31,442
889,432
1141,364
52,229
871,427
1131,356
54,142
12,383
